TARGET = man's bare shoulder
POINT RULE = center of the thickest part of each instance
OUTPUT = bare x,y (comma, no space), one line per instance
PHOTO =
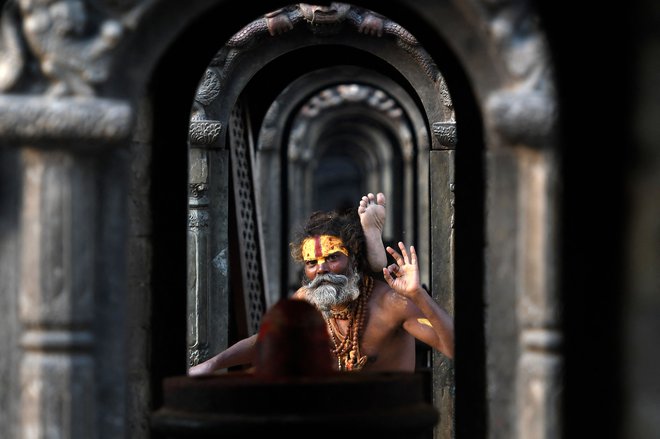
299,294
383,296
380,288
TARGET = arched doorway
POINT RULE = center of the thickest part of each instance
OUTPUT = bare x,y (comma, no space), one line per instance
268,132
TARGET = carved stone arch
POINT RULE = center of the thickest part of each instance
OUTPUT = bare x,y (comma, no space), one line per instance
431,136
251,49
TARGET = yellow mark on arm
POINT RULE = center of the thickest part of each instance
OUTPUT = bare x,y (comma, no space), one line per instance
425,322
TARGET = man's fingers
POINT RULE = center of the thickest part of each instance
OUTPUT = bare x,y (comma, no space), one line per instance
393,270
404,252
388,276
395,254
401,259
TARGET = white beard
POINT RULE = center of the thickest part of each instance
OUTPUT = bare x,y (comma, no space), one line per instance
328,290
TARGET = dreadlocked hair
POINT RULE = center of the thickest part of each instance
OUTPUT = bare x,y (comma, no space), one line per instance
344,224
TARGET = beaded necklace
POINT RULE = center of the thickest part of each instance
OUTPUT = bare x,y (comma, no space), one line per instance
347,347
343,314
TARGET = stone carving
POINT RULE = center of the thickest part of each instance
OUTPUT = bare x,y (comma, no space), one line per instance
326,20
524,112
69,119
197,353
209,88
204,132
319,20
198,219
72,48
198,194
12,61
445,132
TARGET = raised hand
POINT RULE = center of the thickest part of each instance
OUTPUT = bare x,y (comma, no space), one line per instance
403,276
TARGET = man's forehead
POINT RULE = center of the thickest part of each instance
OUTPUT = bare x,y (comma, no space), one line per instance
320,246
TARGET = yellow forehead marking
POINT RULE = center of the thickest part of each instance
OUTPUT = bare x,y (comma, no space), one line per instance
320,246
425,322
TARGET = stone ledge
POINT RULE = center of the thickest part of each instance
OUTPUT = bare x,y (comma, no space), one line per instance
53,121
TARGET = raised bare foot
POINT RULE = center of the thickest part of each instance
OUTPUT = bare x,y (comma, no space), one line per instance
372,216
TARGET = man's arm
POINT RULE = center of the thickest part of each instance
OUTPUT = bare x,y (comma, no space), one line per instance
430,323
237,354
434,326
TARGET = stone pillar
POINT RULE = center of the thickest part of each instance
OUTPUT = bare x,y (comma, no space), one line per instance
66,226
56,296
540,365
442,281
208,242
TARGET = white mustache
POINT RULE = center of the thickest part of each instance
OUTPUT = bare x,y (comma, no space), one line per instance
328,290
336,279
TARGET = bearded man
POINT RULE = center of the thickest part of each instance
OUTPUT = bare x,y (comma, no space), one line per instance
372,324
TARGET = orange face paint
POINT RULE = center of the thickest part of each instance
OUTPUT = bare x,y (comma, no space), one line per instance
318,248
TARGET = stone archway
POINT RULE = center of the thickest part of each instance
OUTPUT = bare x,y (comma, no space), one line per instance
103,90
407,107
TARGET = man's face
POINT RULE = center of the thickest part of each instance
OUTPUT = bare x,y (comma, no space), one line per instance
324,254
330,279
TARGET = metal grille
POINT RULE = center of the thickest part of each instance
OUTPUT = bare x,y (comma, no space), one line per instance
246,220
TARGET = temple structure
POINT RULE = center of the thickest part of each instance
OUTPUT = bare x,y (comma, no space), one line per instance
156,154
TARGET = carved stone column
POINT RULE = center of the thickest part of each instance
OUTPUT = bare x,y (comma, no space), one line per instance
56,296
208,246
540,366
65,229
442,282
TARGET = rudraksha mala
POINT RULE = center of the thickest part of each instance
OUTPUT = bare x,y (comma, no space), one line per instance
347,347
